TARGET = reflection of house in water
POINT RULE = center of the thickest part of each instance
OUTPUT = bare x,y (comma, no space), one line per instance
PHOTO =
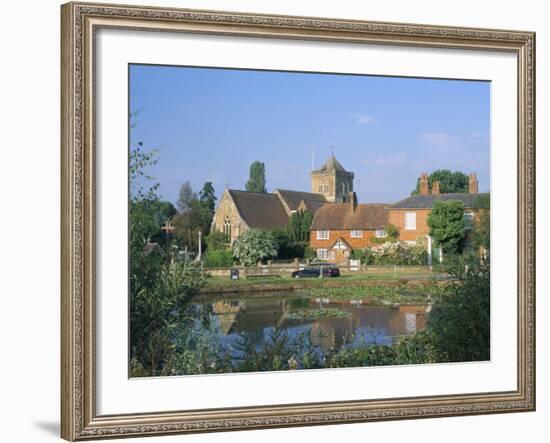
408,320
376,324
227,312
250,315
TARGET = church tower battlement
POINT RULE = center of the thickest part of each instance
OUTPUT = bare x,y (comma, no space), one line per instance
332,181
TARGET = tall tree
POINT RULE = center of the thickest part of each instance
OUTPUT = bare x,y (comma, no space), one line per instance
256,182
186,197
449,182
207,197
298,226
446,222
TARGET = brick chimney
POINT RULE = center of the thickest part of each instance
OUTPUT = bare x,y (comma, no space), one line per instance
424,186
435,187
352,199
472,183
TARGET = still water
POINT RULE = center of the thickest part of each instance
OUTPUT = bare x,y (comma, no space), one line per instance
360,322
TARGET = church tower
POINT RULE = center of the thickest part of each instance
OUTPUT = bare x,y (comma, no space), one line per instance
332,181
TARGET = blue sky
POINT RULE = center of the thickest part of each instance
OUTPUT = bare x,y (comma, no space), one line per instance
210,124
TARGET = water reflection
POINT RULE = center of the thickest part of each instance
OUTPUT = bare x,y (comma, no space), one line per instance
366,323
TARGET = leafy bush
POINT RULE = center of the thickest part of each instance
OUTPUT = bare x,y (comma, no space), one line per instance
392,253
309,253
255,245
218,258
286,247
217,240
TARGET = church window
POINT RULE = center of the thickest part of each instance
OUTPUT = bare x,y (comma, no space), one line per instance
227,226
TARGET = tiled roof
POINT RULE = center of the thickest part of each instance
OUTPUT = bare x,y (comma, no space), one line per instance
332,165
313,205
427,201
294,198
340,216
260,210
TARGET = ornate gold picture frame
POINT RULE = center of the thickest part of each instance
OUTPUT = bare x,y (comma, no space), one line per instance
80,23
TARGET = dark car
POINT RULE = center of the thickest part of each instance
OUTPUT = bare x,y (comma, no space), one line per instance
315,271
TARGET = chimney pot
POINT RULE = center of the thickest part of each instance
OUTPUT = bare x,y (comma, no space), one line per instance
435,187
424,186
472,183
352,198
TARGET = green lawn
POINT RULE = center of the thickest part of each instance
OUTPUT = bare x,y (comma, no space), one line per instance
214,282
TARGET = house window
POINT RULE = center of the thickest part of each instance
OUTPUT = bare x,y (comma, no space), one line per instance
469,220
323,254
356,233
323,234
380,233
410,221
227,226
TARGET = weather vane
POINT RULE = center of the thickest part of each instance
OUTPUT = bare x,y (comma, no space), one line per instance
332,149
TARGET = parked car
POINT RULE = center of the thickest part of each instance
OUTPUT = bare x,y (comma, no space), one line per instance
329,270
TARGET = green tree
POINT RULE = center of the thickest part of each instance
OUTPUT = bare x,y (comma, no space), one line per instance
298,226
481,235
256,182
460,323
186,197
207,197
147,217
449,182
446,222
255,245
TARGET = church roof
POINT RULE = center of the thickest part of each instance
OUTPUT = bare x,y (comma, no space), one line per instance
339,216
260,210
332,165
421,201
294,198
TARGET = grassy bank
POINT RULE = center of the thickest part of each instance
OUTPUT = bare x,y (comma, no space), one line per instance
217,285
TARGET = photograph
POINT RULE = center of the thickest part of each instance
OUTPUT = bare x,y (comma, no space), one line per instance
288,220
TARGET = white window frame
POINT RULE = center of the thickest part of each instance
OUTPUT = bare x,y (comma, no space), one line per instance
323,254
380,233
468,219
323,234
410,221
356,233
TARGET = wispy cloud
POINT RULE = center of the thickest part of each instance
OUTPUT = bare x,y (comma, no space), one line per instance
438,140
364,119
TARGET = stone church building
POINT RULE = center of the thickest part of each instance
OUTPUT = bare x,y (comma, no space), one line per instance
239,211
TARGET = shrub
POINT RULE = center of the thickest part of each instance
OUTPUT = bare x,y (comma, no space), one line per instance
217,240
220,258
393,253
255,245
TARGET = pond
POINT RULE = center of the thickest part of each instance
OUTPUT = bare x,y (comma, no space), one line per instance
328,324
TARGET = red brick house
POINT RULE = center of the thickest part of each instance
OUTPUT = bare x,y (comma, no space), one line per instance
338,228
410,215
